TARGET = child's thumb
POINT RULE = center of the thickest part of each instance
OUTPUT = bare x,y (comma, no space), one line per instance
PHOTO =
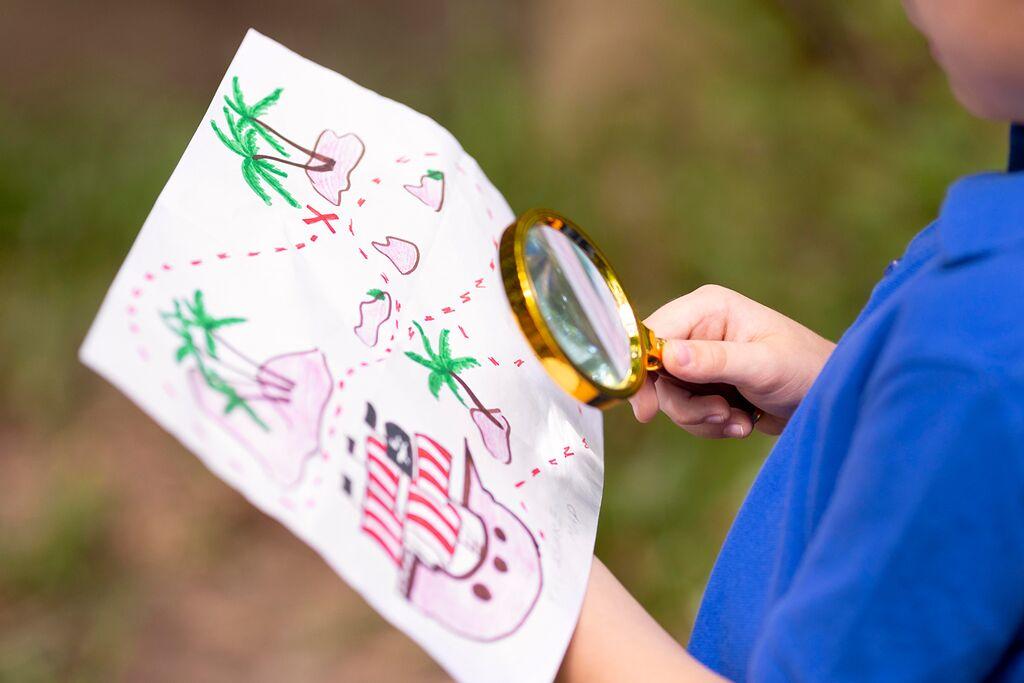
739,363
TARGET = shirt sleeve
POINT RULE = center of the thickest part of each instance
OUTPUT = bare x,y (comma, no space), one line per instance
916,571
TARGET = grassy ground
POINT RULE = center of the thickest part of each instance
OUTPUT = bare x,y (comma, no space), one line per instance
785,148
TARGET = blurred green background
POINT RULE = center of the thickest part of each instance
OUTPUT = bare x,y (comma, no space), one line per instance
785,148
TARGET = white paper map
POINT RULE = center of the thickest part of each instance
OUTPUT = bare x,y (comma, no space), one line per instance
314,308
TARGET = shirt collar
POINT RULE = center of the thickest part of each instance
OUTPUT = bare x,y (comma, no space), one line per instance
1015,162
985,212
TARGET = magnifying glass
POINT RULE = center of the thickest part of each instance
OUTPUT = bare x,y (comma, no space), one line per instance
575,314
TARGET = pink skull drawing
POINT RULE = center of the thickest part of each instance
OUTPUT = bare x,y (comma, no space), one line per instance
464,559
492,599
292,391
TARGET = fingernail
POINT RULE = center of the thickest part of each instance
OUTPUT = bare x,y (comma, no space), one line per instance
680,352
734,430
714,419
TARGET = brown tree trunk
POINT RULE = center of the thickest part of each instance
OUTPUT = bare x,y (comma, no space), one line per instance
476,400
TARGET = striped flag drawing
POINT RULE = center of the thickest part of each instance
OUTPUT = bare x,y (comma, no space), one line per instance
430,517
433,466
382,519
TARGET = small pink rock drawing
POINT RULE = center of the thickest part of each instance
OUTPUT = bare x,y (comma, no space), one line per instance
403,254
495,432
345,151
493,598
430,191
372,314
292,391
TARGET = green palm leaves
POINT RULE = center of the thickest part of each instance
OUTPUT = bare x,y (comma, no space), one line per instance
189,317
442,366
243,136
206,322
248,115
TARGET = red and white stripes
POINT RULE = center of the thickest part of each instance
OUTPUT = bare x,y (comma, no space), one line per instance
433,466
381,513
415,516
430,517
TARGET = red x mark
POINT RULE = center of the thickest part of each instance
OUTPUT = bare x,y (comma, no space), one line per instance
317,217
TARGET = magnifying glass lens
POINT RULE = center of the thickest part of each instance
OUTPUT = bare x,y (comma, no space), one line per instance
578,306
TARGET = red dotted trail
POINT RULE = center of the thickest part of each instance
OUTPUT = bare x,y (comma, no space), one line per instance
551,463
324,226
159,272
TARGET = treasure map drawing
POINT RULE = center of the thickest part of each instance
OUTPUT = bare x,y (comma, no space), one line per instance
326,329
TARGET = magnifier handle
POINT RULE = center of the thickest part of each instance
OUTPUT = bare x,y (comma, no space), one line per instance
730,393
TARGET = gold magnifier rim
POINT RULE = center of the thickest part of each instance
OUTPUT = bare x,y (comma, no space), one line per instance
522,298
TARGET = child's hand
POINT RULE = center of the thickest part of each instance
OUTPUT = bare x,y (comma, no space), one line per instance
729,338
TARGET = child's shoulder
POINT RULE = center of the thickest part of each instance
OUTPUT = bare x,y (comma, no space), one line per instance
969,309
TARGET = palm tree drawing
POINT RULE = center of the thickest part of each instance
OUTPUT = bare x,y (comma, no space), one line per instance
246,131
191,318
202,319
444,372
284,396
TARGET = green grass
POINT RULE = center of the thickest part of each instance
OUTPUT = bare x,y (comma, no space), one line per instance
81,176
66,612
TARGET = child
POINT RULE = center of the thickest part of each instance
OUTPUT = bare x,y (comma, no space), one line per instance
884,537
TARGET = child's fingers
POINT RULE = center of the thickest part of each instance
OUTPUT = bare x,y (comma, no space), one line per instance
687,410
708,417
739,425
645,402
769,424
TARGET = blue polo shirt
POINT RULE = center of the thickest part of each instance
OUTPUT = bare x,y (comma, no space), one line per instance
884,536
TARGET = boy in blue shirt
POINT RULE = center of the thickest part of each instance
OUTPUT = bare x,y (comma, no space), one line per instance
884,536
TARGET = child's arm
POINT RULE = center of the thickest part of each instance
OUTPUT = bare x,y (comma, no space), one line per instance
616,640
